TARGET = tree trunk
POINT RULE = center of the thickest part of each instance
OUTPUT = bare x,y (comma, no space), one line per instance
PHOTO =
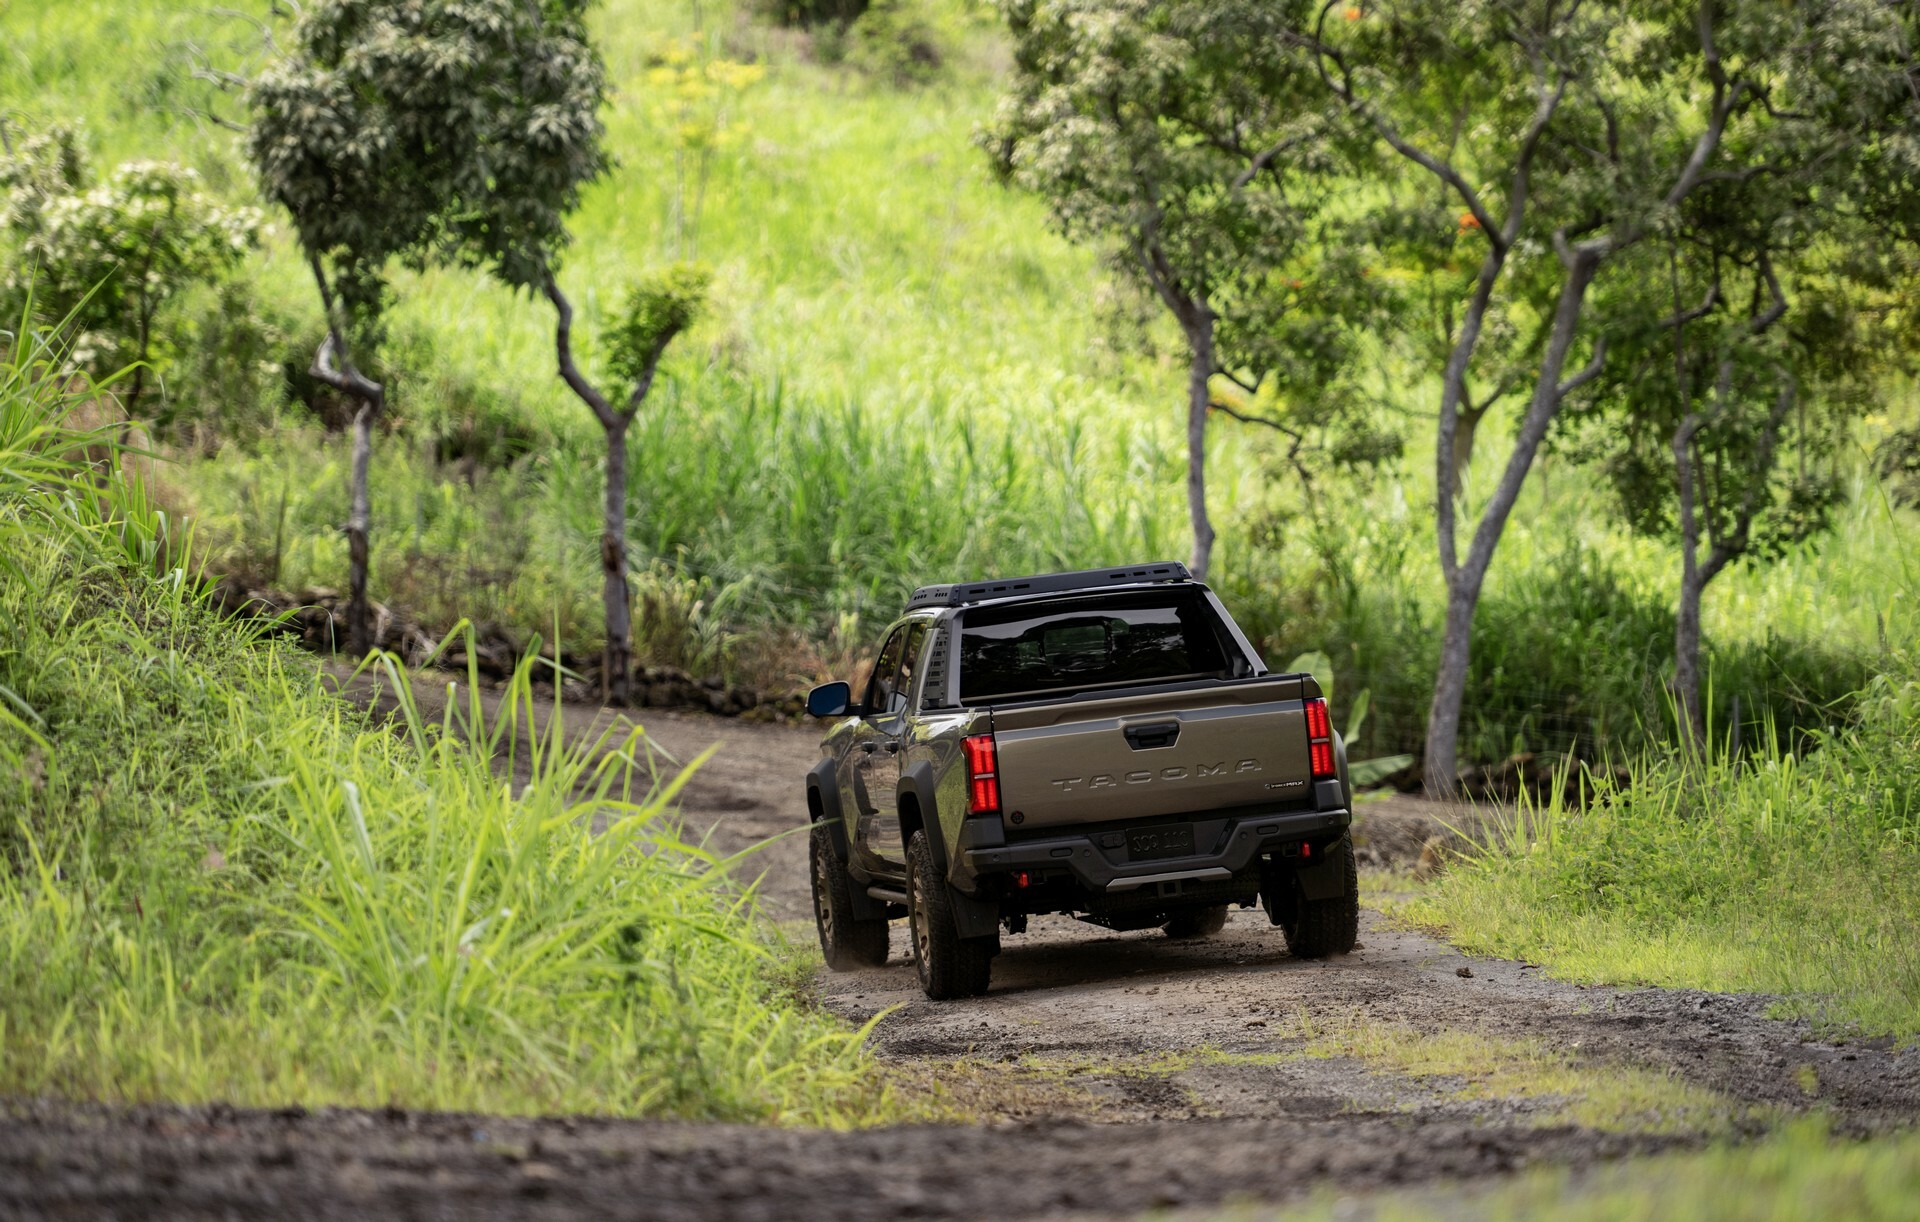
359,521
1199,373
1686,659
1463,435
616,663
1441,773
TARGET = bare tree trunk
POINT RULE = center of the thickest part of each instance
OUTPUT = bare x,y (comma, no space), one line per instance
333,365
616,663
1199,373
1693,582
359,523
1686,659
1463,435
1441,772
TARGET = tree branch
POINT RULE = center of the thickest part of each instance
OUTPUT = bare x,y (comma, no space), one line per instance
1681,318
344,377
1725,551
1265,158
1344,90
563,351
1589,373
1247,418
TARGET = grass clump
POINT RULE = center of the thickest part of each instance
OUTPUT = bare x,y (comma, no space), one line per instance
1773,873
219,882
1567,1090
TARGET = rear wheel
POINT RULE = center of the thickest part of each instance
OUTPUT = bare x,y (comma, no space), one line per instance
950,966
1318,928
845,941
1197,922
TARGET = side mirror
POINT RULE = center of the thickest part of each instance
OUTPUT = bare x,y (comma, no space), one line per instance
829,700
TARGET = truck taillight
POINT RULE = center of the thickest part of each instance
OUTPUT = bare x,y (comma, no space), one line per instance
983,775
1320,739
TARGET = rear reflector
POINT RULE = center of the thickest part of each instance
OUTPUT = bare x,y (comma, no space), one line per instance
1319,739
983,775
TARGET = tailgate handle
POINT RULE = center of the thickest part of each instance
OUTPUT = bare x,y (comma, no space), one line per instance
1146,738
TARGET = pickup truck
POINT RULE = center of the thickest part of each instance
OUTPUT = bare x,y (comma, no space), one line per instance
1105,744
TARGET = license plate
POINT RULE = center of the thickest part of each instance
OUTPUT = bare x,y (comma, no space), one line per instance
1169,840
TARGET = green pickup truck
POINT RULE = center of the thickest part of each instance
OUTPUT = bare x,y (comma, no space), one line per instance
1105,744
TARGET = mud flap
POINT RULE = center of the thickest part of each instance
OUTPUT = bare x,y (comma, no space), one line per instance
1325,881
973,918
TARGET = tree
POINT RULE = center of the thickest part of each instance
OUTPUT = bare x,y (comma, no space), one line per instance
109,255
419,132
1749,337
1571,132
1192,135
657,309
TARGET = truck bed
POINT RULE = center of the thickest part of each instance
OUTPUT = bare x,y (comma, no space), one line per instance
1153,753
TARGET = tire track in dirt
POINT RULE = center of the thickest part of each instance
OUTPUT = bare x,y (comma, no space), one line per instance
1112,1073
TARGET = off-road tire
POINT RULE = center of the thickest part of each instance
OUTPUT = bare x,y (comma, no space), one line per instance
846,942
1318,928
1196,922
950,966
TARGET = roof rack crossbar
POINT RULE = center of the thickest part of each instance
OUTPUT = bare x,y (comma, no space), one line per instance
960,594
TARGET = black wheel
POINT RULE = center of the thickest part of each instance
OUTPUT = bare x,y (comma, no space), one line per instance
1197,922
845,941
1318,928
950,966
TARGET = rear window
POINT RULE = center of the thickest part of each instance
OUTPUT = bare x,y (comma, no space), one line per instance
1062,646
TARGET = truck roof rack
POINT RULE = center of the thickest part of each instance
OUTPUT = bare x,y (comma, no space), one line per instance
962,593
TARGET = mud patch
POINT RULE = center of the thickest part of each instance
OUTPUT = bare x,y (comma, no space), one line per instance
67,1161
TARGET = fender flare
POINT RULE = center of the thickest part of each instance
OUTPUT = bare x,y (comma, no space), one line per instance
917,782
821,781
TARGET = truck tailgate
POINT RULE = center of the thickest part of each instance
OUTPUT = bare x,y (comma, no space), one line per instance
1153,754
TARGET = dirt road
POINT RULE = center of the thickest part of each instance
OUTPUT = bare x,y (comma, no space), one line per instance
1108,1074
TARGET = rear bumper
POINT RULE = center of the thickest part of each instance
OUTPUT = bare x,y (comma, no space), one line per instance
1098,860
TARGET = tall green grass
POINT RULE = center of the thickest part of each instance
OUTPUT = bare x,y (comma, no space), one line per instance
219,882
1775,872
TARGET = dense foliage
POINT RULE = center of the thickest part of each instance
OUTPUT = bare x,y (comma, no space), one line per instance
218,882
107,255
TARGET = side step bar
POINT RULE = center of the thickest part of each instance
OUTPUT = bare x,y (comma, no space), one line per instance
888,894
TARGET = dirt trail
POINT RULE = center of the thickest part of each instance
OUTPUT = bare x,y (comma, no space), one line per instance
1114,1073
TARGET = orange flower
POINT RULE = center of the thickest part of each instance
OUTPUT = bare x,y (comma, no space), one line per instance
1468,221
1353,12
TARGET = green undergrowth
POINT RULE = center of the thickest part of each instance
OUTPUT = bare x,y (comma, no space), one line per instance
904,375
1800,1174
1772,873
218,882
